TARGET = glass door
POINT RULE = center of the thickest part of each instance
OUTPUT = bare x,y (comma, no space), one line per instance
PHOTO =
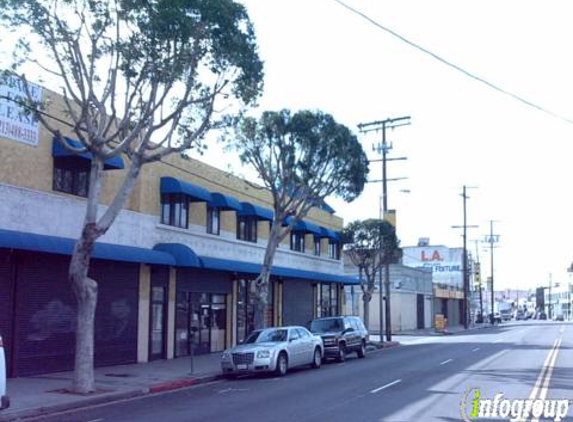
158,320
182,325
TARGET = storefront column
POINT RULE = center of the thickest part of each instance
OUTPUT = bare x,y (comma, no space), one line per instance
171,312
279,303
231,316
143,313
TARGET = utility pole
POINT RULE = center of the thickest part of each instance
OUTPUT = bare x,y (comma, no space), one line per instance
550,305
478,279
465,273
491,239
383,148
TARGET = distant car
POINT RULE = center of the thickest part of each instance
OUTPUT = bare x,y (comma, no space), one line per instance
559,317
496,318
4,399
341,335
273,350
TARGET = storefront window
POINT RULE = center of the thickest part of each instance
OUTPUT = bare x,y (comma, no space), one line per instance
246,308
201,320
213,220
327,299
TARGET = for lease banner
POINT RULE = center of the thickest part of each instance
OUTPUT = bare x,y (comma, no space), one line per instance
15,122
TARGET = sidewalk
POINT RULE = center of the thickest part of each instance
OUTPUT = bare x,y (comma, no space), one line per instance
43,394
46,394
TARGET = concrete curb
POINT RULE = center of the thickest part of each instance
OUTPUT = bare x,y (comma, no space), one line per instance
107,398
376,345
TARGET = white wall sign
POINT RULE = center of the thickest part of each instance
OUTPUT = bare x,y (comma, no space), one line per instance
446,263
15,122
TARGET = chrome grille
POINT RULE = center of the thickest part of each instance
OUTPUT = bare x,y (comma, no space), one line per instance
243,358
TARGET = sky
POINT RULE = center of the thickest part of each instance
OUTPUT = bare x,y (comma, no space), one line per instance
515,159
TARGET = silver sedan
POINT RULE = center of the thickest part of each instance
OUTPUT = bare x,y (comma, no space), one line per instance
273,350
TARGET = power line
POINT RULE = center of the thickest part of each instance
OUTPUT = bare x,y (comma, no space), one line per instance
454,66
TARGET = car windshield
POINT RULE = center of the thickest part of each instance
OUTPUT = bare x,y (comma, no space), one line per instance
272,335
326,325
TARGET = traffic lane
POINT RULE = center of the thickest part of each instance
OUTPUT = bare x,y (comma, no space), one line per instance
513,371
298,395
436,391
561,383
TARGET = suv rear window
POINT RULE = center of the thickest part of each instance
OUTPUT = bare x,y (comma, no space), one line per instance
326,325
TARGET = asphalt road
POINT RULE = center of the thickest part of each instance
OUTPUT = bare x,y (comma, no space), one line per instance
424,381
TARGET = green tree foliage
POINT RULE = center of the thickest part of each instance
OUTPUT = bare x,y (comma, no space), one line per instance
301,158
139,78
370,244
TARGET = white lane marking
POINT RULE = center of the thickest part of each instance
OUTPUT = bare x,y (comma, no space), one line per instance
96,420
498,340
386,386
476,349
548,373
542,373
446,361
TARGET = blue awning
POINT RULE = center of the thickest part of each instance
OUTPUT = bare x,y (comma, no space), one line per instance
64,246
225,202
303,226
256,211
194,192
184,256
331,234
252,268
229,265
58,150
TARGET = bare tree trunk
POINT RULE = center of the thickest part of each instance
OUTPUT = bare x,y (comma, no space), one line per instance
85,290
366,299
263,279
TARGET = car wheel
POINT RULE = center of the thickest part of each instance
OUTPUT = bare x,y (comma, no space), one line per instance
341,352
317,358
362,351
282,364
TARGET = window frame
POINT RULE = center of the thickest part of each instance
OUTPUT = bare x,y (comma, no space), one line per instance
175,208
297,241
248,232
317,245
211,211
334,250
74,168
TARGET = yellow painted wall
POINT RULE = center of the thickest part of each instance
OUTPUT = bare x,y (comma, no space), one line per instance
229,221
32,167
198,213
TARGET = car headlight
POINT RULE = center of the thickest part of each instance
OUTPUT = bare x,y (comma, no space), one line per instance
263,354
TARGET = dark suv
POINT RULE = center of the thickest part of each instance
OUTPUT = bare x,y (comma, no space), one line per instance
341,335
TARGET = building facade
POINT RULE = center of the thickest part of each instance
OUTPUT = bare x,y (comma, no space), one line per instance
175,270
445,265
411,299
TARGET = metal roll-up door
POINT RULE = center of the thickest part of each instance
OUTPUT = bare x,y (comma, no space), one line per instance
6,303
46,317
297,302
116,312
46,320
